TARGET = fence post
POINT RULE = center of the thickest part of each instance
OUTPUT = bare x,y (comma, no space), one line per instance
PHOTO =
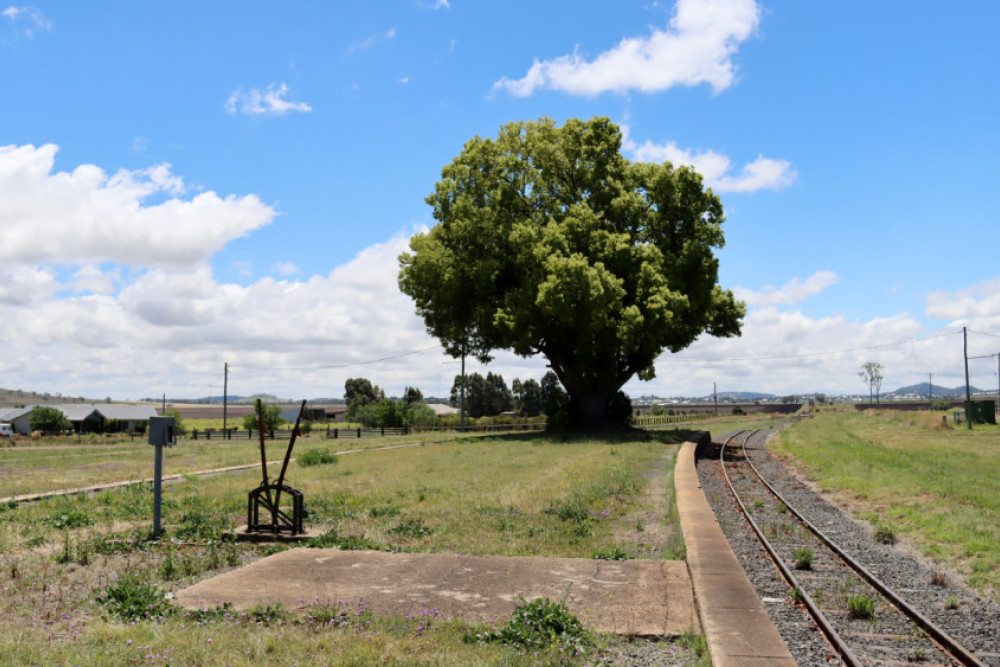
383,431
359,433
194,434
336,433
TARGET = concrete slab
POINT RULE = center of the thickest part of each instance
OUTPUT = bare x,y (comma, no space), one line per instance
737,628
635,597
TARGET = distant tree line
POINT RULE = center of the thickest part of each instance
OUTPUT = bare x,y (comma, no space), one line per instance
487,396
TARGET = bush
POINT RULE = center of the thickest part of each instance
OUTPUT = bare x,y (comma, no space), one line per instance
132,599
315,457
49,420
540,624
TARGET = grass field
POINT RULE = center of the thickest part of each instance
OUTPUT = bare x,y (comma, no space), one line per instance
82,582
939,487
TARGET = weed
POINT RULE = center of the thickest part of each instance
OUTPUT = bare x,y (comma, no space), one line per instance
939,578
197,525
612,553
132,599
383,510
697,644
952,602
315,457
540,624
267,614
796,595
413,528
332,538
168,567
803,558
916,655
885,533
860,607
69,518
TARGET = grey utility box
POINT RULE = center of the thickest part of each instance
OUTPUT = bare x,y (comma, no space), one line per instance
161,431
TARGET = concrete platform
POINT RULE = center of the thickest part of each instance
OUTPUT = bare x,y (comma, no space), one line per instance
737,628
635,597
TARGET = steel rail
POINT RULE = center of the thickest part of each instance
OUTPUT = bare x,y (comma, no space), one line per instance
950,645
827,628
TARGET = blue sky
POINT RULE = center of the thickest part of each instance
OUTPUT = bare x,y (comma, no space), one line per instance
187,184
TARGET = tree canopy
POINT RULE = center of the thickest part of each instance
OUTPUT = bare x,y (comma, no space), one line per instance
548,241
271,416
48,420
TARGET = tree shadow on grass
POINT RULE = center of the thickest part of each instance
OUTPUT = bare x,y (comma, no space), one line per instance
610,436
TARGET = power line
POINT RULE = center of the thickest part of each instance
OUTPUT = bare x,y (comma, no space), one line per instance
335,366
983,333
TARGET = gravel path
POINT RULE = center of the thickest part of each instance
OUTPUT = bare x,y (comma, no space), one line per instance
974,622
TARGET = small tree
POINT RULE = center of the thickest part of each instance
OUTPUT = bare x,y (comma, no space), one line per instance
272,418
413,395
360,393
49,420
872,374
527,397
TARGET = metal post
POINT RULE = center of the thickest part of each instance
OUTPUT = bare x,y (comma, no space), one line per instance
157,490
930,387
225,394
715,399
968,391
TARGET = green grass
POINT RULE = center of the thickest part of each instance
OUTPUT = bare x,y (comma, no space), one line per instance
77,571
940,488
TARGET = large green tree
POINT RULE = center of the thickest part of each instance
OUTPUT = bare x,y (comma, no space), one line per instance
548,241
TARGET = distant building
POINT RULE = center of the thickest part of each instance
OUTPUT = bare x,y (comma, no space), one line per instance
85,418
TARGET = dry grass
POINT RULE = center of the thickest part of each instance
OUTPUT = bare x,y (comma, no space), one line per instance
474,495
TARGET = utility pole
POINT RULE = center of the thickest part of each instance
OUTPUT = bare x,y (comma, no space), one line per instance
225,399
463,391
930,387
715,399
164,405
968,391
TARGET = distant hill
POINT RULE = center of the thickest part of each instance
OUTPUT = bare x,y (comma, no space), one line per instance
14,397
923,389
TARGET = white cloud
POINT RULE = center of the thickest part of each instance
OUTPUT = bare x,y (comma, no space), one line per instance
696,48
793,292
86,216
284,268
976,306
371,41
91,278
762,173
269,102
30,15
26,286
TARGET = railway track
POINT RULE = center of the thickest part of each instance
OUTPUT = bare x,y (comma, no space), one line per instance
863,619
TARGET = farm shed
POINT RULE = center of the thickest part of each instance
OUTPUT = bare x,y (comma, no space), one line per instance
83,416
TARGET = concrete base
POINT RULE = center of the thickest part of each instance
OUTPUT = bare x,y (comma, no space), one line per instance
242,535
636,597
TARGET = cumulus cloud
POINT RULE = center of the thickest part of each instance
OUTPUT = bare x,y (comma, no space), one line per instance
793,292
696,47
978,302
88,216
269,102
762,173
26,286
91,278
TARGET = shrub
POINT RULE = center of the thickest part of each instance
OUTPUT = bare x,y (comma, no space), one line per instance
132,599
861,606
803,558
885,533
540,624
315,457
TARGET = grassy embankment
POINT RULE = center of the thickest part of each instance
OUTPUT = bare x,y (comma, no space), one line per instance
508,496
939,487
